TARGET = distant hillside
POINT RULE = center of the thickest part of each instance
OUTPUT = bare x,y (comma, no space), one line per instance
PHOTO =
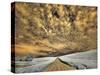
52,30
